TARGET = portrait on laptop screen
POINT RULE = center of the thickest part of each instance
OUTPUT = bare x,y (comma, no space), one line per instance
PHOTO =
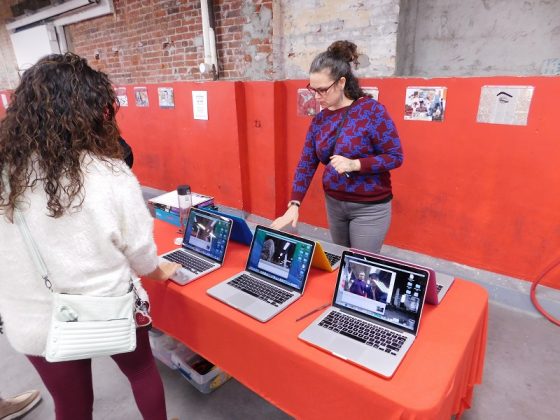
207,235
280,258
380,291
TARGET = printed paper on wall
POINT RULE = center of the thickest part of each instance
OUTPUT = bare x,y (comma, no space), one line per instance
425,103
307,105
141,96
505,104
166,99
373,91
121,96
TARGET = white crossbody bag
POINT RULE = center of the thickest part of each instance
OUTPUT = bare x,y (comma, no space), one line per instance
83,326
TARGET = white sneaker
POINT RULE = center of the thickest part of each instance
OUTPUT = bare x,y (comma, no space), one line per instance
18,406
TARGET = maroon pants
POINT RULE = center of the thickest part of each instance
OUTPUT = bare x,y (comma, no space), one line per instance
70,383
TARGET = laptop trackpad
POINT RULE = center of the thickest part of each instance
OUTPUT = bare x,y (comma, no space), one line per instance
182,276
241,300
347,350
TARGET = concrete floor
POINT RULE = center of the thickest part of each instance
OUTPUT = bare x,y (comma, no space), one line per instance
521,376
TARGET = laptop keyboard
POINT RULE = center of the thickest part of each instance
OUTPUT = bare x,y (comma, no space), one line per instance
365,332
333,258
270,294
193,264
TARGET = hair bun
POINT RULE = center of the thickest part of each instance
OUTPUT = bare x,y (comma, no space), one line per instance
344,50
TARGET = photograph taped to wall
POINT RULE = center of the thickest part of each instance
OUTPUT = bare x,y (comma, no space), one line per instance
4,101
425,103
121,96
166,99
504,104
373,91
307,105
141,96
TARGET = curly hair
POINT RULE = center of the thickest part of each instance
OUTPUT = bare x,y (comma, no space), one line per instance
337,59
61,111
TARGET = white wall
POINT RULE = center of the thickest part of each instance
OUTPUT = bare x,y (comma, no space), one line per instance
477,37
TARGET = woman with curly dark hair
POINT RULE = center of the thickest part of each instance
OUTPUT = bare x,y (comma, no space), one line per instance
357,141
62,167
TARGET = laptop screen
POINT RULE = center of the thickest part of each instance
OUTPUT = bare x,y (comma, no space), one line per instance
281,257
383,289
207,234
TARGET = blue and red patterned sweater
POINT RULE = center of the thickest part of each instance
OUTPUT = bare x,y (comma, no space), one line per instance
368,134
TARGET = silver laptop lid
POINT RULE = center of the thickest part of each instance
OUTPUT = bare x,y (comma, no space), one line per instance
207,234
283,258
385,290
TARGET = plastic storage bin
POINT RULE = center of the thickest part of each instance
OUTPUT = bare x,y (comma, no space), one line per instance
202,374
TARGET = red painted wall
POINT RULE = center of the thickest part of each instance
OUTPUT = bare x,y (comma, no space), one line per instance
478,194
171,148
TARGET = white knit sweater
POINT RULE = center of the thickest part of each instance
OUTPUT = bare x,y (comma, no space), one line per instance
92,251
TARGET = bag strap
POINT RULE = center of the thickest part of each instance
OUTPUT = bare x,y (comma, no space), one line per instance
30,243
339,129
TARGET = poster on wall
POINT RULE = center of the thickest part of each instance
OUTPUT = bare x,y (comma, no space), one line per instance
4,100
121,96
372,91
425,103
141,96
200,104
165,96
307,105
504,104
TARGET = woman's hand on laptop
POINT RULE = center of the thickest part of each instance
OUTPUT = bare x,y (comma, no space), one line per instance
164,270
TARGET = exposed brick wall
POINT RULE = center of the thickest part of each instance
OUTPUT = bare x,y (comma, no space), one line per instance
158,41
150,41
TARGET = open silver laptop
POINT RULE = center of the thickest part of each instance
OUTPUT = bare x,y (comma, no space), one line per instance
274,276
204,246
375,314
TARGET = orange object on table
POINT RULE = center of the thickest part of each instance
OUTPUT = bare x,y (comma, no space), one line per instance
434,381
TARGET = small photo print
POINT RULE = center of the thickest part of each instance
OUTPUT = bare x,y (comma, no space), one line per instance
4,100
165,96
141,96
121,96
372,91
425,103
307,105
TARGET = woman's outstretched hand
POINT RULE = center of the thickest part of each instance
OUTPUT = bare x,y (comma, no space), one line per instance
290,216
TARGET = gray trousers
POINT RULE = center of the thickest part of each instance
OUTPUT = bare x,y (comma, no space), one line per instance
358,225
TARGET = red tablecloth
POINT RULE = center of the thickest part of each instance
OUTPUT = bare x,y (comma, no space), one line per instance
435,380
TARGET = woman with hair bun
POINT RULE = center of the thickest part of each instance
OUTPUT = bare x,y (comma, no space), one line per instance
356,140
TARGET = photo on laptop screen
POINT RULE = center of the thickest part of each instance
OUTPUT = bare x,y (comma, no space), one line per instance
388,293
280,257
206,235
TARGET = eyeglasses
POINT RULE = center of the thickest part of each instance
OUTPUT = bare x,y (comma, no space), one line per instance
320,91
